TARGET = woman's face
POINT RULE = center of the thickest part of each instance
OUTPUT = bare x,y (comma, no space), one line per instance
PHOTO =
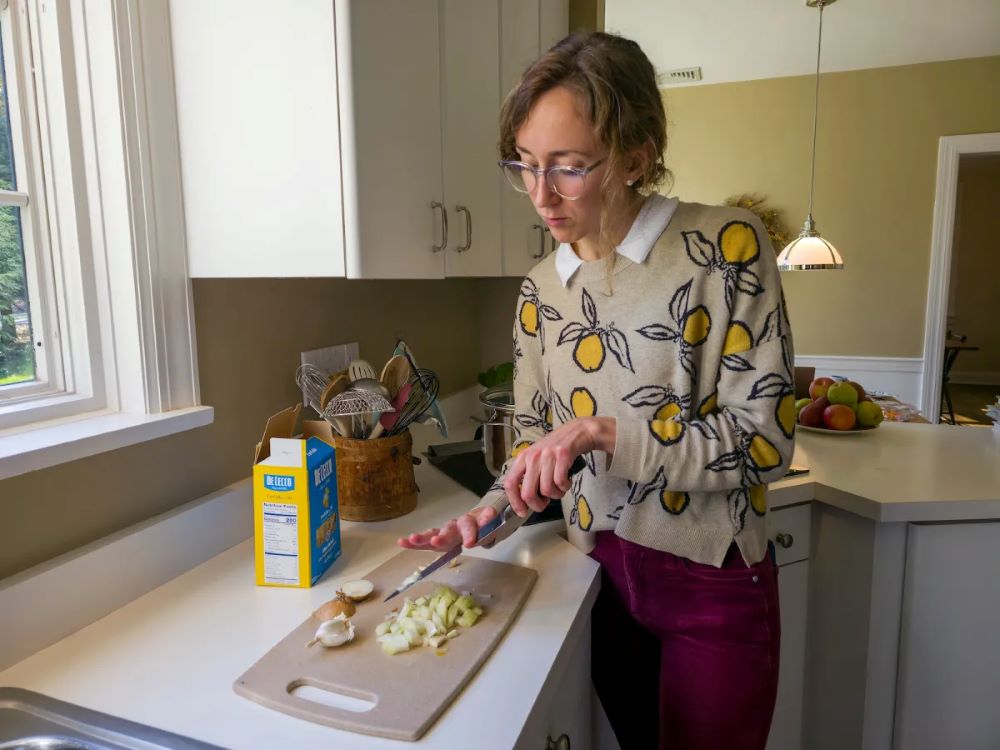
557,133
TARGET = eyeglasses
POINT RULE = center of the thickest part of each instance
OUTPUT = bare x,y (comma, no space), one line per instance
566,182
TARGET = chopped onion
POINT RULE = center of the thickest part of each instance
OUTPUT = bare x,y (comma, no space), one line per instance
427,621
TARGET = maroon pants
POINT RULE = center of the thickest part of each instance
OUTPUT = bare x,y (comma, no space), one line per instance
685,656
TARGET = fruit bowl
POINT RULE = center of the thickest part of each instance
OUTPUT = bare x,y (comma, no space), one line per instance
838,433
837,407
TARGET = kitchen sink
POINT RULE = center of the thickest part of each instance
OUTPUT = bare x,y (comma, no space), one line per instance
32,721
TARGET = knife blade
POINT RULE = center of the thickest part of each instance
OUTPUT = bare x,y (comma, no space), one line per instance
506,519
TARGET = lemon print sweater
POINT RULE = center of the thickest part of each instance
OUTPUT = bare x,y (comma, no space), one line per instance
691,353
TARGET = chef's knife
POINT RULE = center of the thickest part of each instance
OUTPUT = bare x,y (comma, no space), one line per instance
505,523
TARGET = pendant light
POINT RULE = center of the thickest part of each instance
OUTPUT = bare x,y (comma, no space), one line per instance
809,251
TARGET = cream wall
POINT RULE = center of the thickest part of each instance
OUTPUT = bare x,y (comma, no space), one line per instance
876,166
975,295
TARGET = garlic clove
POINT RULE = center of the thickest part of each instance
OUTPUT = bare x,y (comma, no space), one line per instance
358,591
334,632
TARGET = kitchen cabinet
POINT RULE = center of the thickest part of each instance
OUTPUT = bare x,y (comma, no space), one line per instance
561,719
527,29
353,139
790,531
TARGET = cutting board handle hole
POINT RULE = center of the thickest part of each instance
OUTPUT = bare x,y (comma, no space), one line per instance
358,702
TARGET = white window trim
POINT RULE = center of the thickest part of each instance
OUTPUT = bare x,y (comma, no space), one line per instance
120,152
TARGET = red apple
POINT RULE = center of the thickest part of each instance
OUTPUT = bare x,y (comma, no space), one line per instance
839,417
862,396
818,388
812,414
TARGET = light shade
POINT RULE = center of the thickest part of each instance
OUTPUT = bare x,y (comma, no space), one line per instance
809,252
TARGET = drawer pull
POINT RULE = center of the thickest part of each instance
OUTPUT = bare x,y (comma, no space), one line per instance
560,743
784,540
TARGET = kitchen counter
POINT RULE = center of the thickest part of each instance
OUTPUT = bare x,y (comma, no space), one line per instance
168,658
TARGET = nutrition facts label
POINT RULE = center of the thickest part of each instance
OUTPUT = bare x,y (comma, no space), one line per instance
281,543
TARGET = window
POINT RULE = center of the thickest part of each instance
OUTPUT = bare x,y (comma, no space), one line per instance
25,364
96,318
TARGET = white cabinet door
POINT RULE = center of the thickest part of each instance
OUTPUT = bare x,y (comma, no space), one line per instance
470,103
257,118
390,102
553,22
793,591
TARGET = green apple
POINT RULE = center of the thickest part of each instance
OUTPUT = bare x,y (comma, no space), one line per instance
843,393
869,414
801,404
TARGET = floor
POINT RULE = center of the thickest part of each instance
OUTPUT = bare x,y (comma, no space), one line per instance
969,401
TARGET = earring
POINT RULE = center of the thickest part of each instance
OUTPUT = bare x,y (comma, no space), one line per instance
629,182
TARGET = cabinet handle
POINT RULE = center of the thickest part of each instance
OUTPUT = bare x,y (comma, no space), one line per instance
553,243
560,743
784,540
468,229
541,241
444,227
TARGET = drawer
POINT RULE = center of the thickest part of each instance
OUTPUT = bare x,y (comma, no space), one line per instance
789,530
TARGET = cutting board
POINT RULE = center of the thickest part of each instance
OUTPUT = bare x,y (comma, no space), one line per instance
411,689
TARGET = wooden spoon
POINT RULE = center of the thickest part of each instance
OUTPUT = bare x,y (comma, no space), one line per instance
395,374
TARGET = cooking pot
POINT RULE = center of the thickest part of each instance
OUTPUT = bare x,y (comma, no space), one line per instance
498,427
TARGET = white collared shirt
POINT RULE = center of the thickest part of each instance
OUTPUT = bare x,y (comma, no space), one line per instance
652,219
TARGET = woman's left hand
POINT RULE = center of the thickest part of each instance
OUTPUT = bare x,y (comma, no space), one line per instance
540,472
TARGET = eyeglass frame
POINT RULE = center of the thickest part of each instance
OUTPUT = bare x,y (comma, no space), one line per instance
581,172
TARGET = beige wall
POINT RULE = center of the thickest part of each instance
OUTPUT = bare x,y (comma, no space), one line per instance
876,166
250,333
976,289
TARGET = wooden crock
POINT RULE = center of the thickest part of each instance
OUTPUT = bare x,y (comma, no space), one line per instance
375,477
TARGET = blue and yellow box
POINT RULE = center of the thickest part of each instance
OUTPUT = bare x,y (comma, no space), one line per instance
295,518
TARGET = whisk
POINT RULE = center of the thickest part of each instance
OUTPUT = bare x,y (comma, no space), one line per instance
313,381
357,405
424,386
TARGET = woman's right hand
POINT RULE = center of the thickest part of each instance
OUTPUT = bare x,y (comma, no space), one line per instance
463,530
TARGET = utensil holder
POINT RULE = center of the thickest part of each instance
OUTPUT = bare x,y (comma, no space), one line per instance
375,479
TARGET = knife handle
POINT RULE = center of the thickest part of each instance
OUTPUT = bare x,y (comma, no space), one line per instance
512,522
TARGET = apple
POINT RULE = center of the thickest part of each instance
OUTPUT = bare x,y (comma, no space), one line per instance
818,388
839,417
862,396
869,414
843,393
801,404
812,414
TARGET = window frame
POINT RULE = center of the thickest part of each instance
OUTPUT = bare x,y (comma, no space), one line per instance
113,215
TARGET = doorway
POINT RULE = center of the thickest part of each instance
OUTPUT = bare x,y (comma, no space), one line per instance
952,306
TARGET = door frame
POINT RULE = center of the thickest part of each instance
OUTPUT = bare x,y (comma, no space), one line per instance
950,149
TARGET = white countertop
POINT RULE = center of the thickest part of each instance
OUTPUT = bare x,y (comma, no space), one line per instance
168,659
906,472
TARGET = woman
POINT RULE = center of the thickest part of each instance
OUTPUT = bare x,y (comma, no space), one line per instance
655,344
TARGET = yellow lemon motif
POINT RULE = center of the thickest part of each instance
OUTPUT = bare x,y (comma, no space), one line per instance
784,412
758,499
529,318
738,242
668,411
589,352
697,324
764,455
674,502
709,405
584,516
738,339
667,432
519,448
582,403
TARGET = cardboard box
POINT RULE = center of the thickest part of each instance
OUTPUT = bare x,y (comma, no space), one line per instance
295,515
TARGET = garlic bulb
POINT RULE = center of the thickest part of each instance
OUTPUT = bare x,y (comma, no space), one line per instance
332,633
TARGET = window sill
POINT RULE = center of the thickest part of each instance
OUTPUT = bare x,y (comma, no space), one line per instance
51,443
